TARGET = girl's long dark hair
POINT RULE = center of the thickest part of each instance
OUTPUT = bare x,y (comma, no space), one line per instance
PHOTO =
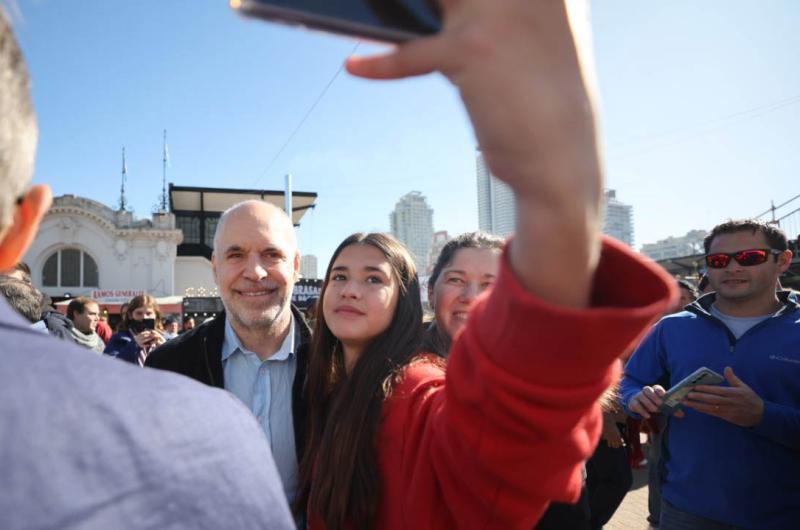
339,475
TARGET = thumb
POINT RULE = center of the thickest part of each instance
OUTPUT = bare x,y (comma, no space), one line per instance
416,57
732,379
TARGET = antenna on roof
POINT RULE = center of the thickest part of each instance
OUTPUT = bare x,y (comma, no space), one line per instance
122,203
165,162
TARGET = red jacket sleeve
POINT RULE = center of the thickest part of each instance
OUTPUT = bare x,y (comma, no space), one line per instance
508,430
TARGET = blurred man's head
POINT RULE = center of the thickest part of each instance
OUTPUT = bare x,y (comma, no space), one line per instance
20,210
688,293
26,300
171,325
84,314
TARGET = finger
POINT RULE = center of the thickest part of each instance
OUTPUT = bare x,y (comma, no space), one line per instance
659,390
416,57
716,390
637,407
712,398
705,408
732,379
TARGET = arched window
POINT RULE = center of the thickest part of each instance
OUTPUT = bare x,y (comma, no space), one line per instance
70,267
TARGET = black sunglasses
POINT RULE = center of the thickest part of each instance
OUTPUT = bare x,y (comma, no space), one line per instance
745,258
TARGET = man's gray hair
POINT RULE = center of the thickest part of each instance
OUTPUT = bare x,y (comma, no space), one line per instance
18,132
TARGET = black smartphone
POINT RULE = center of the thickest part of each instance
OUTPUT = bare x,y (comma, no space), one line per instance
137,326
383,20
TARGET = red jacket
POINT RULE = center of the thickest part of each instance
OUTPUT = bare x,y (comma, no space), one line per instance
505,431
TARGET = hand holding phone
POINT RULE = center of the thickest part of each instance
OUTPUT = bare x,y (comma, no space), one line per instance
675,395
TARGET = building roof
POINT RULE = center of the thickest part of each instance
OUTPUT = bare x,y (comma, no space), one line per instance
197,199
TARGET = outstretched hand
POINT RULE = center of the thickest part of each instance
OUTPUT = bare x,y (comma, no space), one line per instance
737,403
523,72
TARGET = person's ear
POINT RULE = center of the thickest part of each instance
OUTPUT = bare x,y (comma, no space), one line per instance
784,260
296,266
19,235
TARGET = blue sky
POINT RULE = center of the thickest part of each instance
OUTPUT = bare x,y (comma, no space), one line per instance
701,102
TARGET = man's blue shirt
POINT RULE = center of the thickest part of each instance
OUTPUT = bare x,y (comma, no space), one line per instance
266,388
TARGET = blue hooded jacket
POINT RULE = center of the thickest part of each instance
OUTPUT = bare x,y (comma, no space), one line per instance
710,467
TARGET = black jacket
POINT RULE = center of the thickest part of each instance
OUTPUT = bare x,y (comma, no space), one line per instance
198,354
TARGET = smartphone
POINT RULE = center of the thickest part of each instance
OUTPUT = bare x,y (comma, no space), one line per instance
676,394
384,20
137,326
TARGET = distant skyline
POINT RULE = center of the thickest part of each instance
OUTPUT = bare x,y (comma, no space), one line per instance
700,101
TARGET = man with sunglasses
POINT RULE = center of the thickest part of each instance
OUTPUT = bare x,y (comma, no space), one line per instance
731,454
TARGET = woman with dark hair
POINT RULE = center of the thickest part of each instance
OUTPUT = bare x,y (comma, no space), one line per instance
139,331
391,442
466,266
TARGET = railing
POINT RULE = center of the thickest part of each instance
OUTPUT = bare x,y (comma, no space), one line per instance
786,216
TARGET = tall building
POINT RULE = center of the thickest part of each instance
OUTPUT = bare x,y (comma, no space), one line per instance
495,202
308,266
440,239
617,218
412,223
676,247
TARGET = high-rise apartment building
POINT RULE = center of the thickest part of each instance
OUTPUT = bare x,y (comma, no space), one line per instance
412,223
308,266
617,218
495,202
676,247
440,239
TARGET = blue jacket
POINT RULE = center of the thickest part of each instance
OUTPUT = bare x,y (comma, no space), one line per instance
123,346
746,477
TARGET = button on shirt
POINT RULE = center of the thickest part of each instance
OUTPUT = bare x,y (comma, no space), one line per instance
266,387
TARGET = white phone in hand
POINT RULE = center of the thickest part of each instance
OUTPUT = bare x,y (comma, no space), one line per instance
676,394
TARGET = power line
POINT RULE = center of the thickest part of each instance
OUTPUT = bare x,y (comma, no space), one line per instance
305,117
697,130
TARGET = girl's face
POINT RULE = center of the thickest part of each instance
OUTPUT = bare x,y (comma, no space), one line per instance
140,313
471,272
361,296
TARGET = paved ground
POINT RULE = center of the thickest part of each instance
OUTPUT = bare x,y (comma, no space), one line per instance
632,514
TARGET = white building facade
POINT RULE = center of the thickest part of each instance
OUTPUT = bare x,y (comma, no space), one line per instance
496,211
308,266
84,248
690,244
617,218
412,223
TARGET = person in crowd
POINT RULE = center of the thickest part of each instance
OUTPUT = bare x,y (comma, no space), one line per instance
89,443
134,339
170,328
257,347
466,266
311,312
103,330
188,325
21,271
688,294
731,453
392,443
85,314
21,296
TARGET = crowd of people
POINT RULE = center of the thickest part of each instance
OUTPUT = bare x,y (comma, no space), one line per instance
500,411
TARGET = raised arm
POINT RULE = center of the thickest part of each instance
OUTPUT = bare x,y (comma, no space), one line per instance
523,71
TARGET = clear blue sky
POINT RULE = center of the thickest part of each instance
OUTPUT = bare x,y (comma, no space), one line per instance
679,81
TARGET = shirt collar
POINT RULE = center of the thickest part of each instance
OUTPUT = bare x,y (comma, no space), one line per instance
231,343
